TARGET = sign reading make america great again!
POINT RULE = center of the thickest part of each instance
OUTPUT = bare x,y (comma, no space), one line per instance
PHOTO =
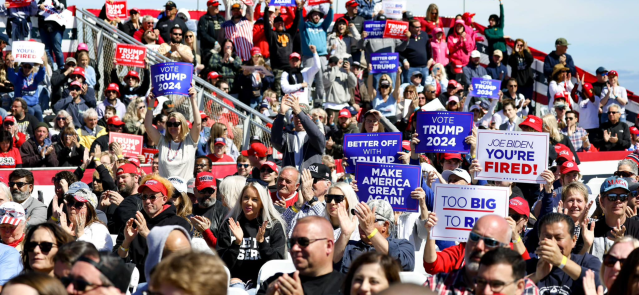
390,182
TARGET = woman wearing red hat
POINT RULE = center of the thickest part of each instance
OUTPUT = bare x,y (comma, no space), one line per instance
342,39
131,85
618,95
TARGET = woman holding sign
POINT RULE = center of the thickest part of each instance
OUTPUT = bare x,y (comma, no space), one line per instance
178,146
384,97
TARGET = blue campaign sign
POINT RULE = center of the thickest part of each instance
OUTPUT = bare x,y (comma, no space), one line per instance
486,88
443,132
282,3
384,62
171,78
390,182
372,148
374,28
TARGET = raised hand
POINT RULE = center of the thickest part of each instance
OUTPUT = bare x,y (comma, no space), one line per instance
129,232
606,135
261,231
617,232
201,223
346,223
236,229
549,177
432,221
590,285
143,229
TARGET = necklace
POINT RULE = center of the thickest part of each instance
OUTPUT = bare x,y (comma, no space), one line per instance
168,155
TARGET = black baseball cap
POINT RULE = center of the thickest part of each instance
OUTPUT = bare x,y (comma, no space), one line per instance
320,171
170,4
601,70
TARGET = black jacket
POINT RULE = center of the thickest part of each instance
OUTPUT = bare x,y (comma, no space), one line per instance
138,248
68,157
208,28
216,213
522,68
58,81
244,261
128,93
31,157
128,28
280,51
164,25
337,133
103,141
621,130
127,209
329,284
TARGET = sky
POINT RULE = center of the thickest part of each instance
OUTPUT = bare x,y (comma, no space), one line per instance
600,33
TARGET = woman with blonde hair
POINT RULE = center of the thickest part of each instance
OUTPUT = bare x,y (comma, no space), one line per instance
614,259
550,127
178,146
176,273
249,223
61,121
385,99
438,75
270,97
134,117
191,41
431,20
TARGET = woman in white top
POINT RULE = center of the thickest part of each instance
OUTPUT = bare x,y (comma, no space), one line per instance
438,75
179,144
561,81
82,221
341,200
618,95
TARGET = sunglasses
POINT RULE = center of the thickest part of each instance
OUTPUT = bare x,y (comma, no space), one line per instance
149,197
615,197
97,180
45,247
207,191
19,184
79,284
189,36
337,198
303,241
176,34
495,285
172,124
612,113
8,123
266,169
570,118
27,66
610,261
11,212
516,217
489,242
624,174
243,165
76,89
60,118
384,86
71,202
140,108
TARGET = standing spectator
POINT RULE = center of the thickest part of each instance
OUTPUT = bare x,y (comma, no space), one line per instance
578,136
439,47
74,105
385,98
602,80
474,69
460,45
431,22
175,49
131,86
560,83
418,54
520,62
369,8
111,94
21,186
147,26
613,135
88,93
134,117
496,69
334,145
313,31
60,78
170,20
512,119
84,62
9,154
239,30
227,63
559,56
51,32
25,82
209,26
352,17
134,23
618,95
338,78
90,130
495,33
521,102
343,39
359,93
280,45
298,81
38,150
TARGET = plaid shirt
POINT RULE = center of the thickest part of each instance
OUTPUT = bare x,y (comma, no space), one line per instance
367,8
453,284
575,138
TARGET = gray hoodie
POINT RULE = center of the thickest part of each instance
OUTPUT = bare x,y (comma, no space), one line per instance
155,242
336,85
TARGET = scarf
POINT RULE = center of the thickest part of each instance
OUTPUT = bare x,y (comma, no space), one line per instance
295,76
16,243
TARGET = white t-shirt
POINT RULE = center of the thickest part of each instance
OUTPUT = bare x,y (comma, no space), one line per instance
620,94
588,113
499,118
98,235
177,159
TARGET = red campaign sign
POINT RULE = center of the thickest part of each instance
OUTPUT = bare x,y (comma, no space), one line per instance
17,3
131,144
116,9
317,2
395,29
130,55
148,155
224,170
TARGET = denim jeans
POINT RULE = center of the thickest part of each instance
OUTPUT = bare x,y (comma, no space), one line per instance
53,46
44,97
35,110
406,74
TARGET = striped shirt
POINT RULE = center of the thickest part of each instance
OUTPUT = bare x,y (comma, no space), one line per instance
241,33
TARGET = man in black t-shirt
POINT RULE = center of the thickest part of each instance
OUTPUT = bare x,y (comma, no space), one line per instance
602,81
311,247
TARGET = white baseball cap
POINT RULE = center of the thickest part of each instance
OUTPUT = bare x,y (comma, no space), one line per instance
179,183
459,172
474,54
12,213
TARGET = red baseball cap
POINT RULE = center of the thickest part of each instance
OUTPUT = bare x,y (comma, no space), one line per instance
634,130
213,2
587,88
78,71
256,149
153,185
613,73
213,75
219,141
568,166
344,114
448,156
205,180
76,83
295,55
9,119
560,94
563,152
271,165
453,83
256,51
115,120
133,74
352,3
533,122
135,161
113,87
519,205
459,67
406,145
203,115
127,168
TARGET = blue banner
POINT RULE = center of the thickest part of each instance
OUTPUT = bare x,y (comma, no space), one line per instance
171,78
384,63
443,132
485,88
372,148
374,28
390,182
282,3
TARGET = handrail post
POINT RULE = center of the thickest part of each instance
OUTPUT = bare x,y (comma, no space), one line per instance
246,136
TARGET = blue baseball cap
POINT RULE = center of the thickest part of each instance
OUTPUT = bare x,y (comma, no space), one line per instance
613,182
76,186
601,70
352,110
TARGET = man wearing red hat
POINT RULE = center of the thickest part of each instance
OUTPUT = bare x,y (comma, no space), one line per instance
334,144
256,155
60,77
9,125
295,82
73,104
207,204
88,93
209,26
114,124
131,86
112,94
352,17
239,29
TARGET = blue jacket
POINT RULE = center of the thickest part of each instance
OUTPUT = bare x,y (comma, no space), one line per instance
400,249
26,87
473,71
314,34
552,59
75,110
495,70
11,263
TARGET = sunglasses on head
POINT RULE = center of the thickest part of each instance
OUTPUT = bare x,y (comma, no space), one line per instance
489,242
615,197
207,191
173,124
11,212
337,198
19,184
45,247
79,284
610,261
303,241
243,165
149,197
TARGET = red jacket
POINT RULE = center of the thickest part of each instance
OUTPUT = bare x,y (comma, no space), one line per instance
287,14
452,258
428,27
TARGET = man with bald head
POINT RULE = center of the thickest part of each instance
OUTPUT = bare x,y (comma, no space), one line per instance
311,247
287,184
456,276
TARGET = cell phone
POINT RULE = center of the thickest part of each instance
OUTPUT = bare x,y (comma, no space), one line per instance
353,211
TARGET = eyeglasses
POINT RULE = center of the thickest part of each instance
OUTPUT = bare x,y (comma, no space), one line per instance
624,174
27,66
303,241
19,184
149,23
71,64
570,118
337,198
8,123
207,191
512,86
604,74
612,113
516,217
489,242
75,89
225,89
172,124
243,165
97,180
79,284
495,285
266,169
110,92
149,197
45,247
190,36
176,34
11,212
384,86
76,77
60,118
610,261
140,107
615,197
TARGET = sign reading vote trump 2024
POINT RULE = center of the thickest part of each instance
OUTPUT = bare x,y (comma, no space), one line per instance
443,132
131,144
130,55
171,78
458,207
512,156
390,182
371,148
27,51
384,62
486,88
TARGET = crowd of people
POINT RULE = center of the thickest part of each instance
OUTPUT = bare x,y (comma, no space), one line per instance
183,229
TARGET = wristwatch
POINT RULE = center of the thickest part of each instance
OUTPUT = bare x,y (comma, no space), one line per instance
312,201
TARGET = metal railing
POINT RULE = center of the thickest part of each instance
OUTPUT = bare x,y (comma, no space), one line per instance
102,39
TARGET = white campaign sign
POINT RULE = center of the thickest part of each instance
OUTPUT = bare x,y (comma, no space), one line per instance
394,8
512,156
27,51
458,207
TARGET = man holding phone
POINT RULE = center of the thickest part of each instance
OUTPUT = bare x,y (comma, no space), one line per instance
38,151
